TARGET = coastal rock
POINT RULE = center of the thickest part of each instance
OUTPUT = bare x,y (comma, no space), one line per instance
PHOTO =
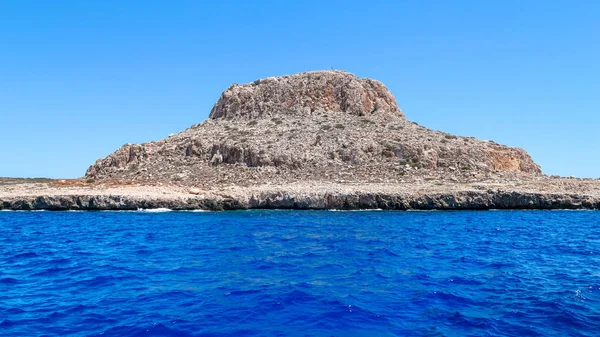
195,190
306,94
322,125
460,200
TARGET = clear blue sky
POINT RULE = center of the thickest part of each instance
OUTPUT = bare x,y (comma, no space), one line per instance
78,79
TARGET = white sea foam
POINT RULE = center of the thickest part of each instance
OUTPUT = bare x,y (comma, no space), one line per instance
268,210
356,210
154,210
574,210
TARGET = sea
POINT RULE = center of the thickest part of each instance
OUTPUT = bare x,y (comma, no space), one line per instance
300,273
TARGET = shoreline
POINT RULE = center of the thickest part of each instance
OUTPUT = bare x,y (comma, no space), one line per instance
300,197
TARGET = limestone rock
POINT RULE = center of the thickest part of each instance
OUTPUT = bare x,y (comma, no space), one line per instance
305,94
322,125
456,200
195,190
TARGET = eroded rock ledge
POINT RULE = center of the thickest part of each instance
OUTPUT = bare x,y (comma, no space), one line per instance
464,200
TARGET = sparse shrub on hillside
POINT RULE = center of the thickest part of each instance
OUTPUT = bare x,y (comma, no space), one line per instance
317,140
334,138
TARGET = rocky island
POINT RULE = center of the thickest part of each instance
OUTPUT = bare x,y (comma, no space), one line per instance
314,140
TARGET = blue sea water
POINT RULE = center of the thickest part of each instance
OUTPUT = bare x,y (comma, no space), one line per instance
300,273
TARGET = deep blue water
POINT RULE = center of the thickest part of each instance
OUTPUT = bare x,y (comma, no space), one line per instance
300,273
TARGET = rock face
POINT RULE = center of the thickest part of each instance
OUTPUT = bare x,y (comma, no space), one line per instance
464,200
323,125
306,94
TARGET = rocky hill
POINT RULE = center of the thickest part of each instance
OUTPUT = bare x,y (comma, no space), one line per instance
313,126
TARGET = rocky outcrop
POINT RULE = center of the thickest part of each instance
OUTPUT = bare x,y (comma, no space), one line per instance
306,94
463,200
311,126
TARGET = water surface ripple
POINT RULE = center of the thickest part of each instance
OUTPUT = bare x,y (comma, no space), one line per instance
300,273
